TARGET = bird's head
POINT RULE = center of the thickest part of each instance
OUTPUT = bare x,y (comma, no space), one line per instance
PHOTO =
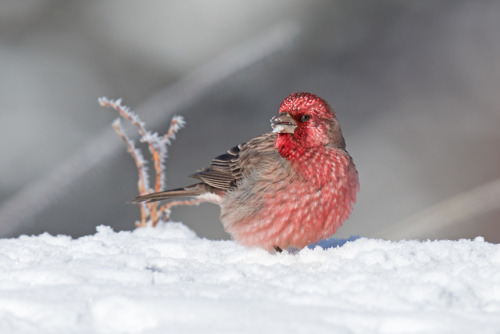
306,121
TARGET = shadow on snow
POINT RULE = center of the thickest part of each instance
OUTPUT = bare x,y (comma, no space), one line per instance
332,243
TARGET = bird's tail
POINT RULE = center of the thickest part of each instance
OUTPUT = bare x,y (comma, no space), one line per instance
189,191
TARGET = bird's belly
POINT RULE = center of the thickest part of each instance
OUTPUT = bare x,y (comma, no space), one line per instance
297,214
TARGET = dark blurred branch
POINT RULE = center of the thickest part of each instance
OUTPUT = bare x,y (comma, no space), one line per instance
23,206
444,215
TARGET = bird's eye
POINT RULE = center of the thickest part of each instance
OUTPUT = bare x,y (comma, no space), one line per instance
305,118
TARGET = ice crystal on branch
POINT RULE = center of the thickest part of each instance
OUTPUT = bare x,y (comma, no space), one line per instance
157,145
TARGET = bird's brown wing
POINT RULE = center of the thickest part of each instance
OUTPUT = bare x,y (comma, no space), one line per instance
224,172
227,169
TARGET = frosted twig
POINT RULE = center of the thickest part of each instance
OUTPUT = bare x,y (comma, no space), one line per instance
134,119
156,144
145,135
136,154
158,148
124,112
176,124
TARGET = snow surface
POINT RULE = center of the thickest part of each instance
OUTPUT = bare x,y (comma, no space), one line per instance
167,280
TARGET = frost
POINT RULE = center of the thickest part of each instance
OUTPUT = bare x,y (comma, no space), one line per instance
151,214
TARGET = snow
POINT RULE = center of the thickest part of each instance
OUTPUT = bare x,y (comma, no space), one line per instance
279,128
167,280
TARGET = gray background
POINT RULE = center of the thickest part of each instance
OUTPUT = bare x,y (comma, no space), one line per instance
415,85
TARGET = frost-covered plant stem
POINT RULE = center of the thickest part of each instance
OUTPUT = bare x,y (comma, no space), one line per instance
158,148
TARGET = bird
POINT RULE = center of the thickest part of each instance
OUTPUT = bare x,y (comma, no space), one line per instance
285,189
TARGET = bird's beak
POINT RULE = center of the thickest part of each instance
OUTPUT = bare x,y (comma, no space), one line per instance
283,123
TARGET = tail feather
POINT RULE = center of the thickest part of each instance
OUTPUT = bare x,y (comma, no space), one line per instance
190,191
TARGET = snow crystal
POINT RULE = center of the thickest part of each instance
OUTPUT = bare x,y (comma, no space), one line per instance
278,128
179,124
166,279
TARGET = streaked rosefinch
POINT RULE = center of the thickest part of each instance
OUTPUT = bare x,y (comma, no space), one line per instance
287,188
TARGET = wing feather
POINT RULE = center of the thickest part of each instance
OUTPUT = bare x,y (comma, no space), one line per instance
227,169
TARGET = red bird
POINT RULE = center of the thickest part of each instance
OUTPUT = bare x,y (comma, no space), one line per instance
287,188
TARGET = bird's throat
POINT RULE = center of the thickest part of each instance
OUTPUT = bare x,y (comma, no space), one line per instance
288,147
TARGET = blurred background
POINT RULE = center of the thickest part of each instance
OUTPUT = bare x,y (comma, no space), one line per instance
416,86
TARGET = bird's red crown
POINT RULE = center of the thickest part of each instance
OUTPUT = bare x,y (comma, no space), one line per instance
297,104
